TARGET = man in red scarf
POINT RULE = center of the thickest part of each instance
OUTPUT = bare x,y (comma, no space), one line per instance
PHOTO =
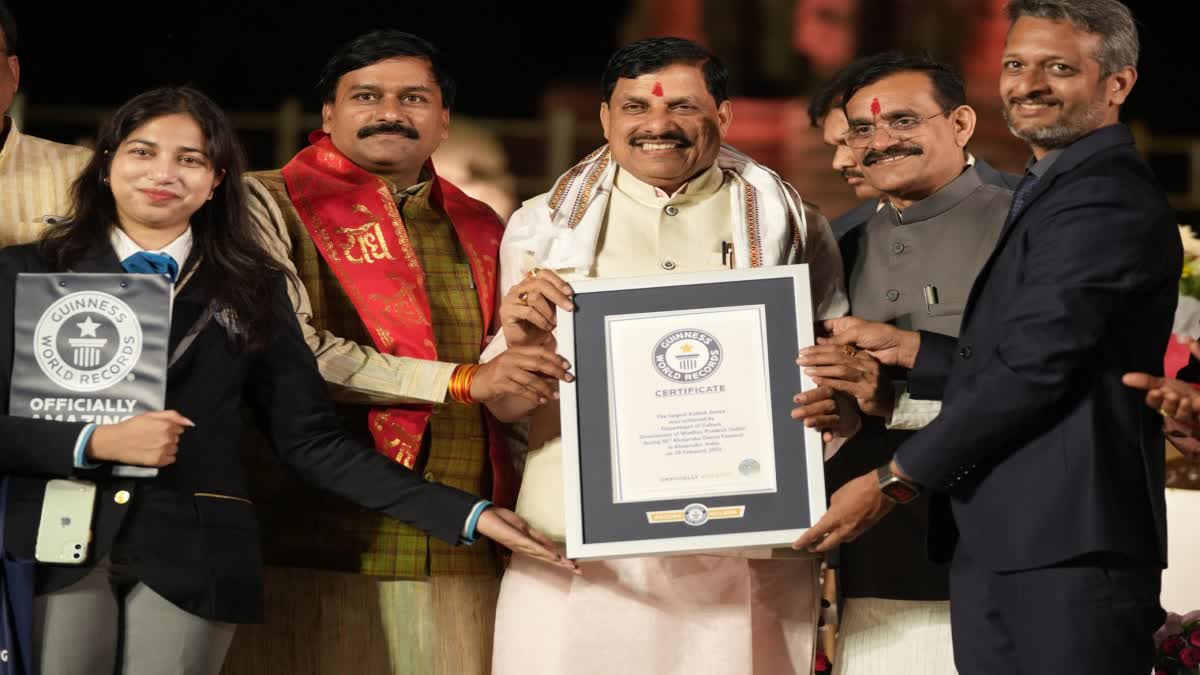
398,279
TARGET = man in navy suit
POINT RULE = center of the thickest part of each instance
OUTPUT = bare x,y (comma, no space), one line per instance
1053,470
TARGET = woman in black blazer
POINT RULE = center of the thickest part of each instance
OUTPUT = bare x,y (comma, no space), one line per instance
174,562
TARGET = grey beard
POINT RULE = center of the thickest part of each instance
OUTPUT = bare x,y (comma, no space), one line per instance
1062,133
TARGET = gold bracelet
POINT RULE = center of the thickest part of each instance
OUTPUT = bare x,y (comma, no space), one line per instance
468,376
460,382
455,388
467,379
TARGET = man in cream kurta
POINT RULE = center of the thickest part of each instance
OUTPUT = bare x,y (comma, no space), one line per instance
651,240
35,174
620,213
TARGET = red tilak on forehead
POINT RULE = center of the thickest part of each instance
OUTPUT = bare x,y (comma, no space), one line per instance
657,90
875,108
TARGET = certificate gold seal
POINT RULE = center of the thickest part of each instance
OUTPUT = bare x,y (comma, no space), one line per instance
695,514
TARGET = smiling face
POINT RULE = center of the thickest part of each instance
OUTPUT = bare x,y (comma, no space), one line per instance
388,117
665,127
1051,85
921,150
160,174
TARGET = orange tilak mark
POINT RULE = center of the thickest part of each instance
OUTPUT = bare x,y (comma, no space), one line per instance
657,90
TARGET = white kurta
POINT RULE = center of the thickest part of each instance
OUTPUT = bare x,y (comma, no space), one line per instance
878,634
689,614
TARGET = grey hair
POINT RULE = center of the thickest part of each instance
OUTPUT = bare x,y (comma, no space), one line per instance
1109,19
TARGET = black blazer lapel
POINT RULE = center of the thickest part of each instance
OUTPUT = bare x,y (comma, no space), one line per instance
190,305
1078,152
99,260
1094,143
1042,186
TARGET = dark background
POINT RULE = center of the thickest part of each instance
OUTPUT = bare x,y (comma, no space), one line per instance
248,59
505,55
510,58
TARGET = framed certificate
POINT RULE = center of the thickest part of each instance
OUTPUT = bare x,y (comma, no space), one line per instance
677,434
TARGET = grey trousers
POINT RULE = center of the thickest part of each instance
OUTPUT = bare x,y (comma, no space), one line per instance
103,624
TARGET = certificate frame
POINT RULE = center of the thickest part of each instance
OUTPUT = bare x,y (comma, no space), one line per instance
597,526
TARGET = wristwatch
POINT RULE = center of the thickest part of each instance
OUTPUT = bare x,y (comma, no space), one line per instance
894,487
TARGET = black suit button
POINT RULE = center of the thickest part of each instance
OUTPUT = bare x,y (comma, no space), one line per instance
898,247
965,352
892,295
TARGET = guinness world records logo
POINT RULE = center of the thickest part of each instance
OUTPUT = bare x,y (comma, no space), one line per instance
87,341
687,355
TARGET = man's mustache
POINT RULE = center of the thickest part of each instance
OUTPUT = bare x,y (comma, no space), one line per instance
852,173
899,150
1036,98
389,128
665,137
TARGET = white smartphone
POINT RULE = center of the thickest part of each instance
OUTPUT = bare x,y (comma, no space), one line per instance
65,529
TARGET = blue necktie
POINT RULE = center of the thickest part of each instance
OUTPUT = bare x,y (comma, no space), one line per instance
144,262
1021,196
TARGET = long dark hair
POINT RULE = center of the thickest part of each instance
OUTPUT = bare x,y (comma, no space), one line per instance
236,270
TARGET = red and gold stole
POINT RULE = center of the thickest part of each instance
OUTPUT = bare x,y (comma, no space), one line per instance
352,217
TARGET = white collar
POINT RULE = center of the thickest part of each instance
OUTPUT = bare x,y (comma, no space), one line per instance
701,186
179,249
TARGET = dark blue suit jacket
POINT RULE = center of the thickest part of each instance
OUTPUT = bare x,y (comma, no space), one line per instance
1045,454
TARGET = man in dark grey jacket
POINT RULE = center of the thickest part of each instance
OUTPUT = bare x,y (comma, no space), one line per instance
910,261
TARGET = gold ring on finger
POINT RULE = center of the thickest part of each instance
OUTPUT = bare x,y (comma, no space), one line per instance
534,272
849,350
523,297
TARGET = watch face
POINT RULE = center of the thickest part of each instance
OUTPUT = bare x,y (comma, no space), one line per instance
899,492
